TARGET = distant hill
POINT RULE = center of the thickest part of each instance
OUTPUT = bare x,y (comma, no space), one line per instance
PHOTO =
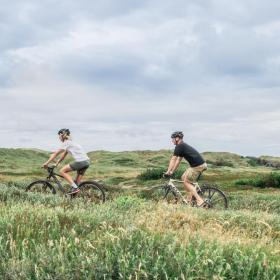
225,159
141,159
19,164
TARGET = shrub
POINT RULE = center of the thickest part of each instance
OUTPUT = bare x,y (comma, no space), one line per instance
220,163
151,174
156,173
271,180
254,162
255,182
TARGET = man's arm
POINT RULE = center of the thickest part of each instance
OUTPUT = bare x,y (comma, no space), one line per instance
52,157
173,164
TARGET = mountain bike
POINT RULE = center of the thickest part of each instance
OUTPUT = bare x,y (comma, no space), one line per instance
213,197
91,191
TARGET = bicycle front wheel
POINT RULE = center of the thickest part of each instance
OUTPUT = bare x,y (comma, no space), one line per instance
162,193
213,197
92,191
41,186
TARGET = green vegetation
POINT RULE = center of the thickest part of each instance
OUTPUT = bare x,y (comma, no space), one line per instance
156,173
152,174
266,181
130,237
133,235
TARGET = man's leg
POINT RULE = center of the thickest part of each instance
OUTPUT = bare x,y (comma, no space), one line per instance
189,194
190,188
187,177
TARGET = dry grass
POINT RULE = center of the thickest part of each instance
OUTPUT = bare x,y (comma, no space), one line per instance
231,227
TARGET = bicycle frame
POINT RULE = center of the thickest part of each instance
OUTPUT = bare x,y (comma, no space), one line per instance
52,175
172,186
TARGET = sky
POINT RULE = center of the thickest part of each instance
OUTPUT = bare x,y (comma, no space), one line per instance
123,75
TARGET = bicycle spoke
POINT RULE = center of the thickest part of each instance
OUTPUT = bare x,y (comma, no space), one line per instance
40,187
210,196
214,197
216,200
91,193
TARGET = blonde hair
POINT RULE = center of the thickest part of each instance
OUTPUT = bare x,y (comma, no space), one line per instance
68,137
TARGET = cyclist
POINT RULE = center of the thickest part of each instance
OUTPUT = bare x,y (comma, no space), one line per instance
80,164
193,157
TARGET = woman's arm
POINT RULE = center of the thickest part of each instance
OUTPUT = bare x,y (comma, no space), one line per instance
52,157
62,157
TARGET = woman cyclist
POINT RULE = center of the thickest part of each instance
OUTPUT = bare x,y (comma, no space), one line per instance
80,164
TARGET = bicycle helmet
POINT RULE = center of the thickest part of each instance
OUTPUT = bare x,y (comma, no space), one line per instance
64,131
179,134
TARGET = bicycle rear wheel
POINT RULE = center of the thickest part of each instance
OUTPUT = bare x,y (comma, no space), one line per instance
92,192
41,186
213,197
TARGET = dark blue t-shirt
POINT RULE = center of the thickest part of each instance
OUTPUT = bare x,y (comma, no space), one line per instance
191,155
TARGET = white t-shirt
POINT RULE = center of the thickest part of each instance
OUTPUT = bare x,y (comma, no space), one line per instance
75,150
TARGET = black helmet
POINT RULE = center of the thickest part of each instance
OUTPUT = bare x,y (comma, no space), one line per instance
64,131
179,134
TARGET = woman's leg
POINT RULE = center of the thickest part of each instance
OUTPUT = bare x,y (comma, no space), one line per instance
80,174
64,172
78,178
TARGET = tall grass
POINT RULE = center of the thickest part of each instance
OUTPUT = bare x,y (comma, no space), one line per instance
50,237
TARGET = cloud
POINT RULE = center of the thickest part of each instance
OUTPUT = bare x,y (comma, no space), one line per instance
123,75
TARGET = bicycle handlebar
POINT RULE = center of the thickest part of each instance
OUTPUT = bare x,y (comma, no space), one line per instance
50,169
167,176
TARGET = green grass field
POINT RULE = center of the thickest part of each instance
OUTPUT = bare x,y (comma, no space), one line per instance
132,235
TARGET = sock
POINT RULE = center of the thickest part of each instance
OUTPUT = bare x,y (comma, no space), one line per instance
74,185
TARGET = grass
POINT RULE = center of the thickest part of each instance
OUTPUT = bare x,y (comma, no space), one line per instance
133,235
130,237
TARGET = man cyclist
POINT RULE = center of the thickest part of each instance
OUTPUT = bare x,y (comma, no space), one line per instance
80,164
193,157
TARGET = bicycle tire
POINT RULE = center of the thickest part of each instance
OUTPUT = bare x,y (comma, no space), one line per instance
41,186
92,192
213,197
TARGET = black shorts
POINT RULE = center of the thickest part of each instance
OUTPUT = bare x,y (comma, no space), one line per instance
80,166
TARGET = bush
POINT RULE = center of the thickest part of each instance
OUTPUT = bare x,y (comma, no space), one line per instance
256,182
254,162
220,163
271,180
156,174
152,174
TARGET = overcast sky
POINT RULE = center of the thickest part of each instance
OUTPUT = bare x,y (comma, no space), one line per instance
122,75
